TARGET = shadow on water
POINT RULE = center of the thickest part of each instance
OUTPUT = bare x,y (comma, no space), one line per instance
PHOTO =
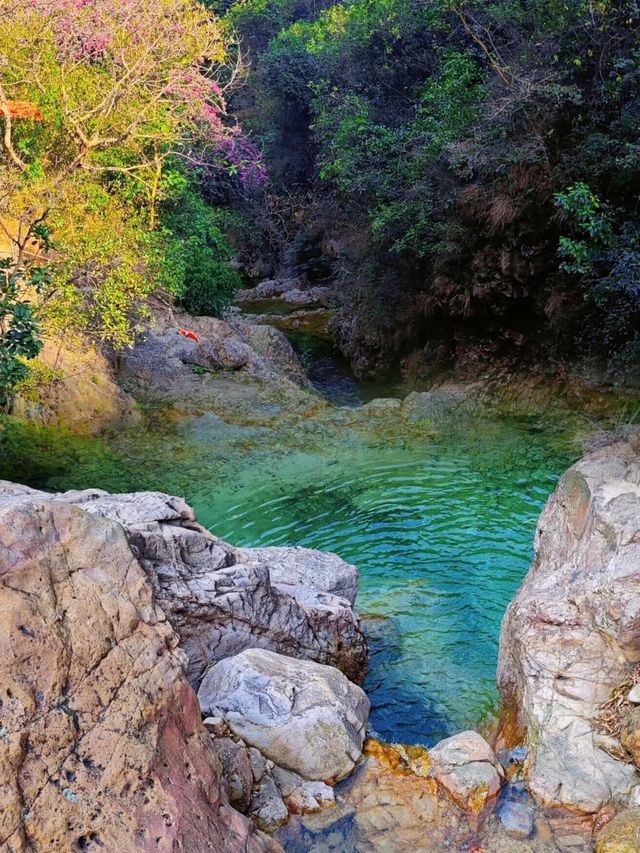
331,374
388,693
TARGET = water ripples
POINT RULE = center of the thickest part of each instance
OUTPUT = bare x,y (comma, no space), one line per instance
442,536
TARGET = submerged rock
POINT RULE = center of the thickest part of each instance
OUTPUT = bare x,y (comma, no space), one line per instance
101,741
571,634
305,717
223,600
465,765
517,819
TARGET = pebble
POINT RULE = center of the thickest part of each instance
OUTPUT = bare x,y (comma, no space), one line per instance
634,695
516,819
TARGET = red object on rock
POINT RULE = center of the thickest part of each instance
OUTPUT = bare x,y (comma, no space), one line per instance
188,334
24,109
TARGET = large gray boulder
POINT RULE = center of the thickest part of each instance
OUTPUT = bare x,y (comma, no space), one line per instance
247,372
571,633
223,600
306,717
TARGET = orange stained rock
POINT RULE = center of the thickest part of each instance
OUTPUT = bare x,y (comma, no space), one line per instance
401,759
398,807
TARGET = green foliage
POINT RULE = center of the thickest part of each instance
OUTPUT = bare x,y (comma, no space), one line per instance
40,377
581,208
197,255
490,151
19,338
116,154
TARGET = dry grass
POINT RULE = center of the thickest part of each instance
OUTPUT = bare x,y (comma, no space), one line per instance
503,210
613,711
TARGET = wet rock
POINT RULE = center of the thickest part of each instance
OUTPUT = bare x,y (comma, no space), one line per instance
622,834
393,809
512,759
509,757
517,819
267,806
430,405
236,770
465,765
305,717
569,635
222,600
101,740
330,831
300,795
381,407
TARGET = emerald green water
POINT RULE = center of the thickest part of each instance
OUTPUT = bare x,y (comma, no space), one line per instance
439,518
442,533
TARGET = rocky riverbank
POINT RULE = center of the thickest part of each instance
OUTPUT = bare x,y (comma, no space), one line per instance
117,609
218,686
114,608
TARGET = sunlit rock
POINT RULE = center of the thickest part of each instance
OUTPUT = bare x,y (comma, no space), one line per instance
223,600
101,741
305,717
571,634
465,765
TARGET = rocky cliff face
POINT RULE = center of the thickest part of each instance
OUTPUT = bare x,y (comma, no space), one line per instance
101,741
572,634
111,605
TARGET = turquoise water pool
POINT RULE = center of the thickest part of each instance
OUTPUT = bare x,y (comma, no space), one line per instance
442,533
440,521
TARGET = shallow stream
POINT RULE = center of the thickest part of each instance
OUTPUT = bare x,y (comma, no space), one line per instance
442,532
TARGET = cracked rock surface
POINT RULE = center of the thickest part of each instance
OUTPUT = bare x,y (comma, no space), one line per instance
223,600
305,717
466,766
101,741
571,634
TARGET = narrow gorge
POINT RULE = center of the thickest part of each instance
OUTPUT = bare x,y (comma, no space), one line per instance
319,426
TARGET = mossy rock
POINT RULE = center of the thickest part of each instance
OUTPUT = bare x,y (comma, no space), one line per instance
622,834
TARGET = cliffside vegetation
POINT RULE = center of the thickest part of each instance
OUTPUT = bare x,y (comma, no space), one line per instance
466,175
486,155
114,128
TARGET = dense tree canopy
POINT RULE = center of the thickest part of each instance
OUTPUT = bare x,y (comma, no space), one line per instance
490,152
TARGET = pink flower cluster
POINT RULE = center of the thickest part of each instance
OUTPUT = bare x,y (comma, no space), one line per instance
90,31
